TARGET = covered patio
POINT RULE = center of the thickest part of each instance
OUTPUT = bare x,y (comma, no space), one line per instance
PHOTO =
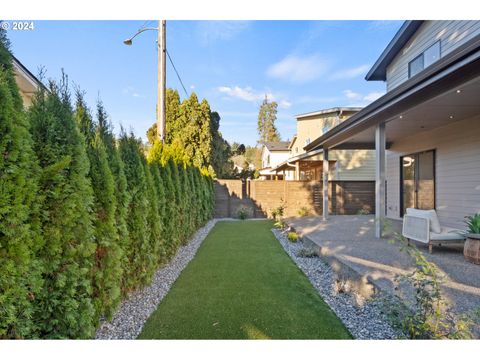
434,115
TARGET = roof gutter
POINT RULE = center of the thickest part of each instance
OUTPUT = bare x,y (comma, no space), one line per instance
466,54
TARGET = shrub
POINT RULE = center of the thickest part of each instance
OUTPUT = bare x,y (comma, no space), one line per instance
307,253
432,317
277,213
292,236
242,213
303,211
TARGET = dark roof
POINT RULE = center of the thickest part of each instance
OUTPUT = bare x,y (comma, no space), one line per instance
379,69
277,145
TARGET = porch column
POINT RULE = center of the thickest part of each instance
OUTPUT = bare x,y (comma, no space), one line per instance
297,170
380,145
325,183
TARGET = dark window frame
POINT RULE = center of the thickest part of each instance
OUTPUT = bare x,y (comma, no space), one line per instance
422,56
417,164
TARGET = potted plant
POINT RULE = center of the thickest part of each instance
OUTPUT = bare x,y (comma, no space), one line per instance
471,250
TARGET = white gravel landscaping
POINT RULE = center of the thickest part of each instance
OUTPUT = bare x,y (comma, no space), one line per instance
365,321
134,311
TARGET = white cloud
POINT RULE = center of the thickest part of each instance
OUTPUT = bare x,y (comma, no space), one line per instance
350,73
130,90
351,94
251,95
374,95
211,31
192,87
299,69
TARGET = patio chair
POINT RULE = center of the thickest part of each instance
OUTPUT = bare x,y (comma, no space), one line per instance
423,226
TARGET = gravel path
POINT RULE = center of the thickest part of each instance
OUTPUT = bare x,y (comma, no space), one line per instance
363,318
134,311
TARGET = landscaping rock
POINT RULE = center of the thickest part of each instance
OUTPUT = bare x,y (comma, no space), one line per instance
132,314
365,319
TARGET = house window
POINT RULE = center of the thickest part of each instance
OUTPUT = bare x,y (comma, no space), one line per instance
425,59
307,141
296,150
417,181
325,128
268,160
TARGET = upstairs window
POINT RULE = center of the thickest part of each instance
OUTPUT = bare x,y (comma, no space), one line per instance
307,141
425,59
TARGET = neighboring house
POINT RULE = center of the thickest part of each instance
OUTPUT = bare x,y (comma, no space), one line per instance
273,153
426,129
27,83
344,164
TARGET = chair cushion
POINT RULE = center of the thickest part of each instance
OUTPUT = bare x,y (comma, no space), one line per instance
429,214
446,236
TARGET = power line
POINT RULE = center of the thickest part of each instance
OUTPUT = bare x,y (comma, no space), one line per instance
176,72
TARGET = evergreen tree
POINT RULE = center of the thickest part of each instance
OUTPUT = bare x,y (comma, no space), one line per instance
153,218
105,130
107,270
63,308
267,115
20,237
161,203
139,258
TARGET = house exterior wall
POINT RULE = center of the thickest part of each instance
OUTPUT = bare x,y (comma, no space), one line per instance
276,157
457,170
451,34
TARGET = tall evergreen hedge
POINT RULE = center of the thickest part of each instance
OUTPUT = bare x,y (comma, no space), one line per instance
63,307
84,218
20,235
107,269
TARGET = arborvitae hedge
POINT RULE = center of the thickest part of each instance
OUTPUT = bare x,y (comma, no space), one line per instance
84,218
122,196
20,236
63,307
107,270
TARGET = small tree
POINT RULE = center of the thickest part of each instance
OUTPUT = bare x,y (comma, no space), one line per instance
267,115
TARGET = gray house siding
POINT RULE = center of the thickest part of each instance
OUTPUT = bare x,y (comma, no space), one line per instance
457,148
451,35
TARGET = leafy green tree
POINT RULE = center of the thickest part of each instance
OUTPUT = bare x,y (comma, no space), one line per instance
267,115
20,236
63,307
122,196
107,271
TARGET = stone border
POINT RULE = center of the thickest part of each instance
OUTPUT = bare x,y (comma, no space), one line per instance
364,317
133,312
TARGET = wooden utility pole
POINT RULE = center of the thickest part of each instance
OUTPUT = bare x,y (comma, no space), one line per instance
162,75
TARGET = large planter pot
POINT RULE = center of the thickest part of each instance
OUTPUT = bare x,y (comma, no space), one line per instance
471,249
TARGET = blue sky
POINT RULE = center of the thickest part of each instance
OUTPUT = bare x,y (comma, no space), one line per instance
303,65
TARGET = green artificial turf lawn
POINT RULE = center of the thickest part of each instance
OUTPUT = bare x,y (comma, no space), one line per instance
242,285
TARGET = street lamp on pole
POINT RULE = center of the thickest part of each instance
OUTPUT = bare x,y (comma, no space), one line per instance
161,80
